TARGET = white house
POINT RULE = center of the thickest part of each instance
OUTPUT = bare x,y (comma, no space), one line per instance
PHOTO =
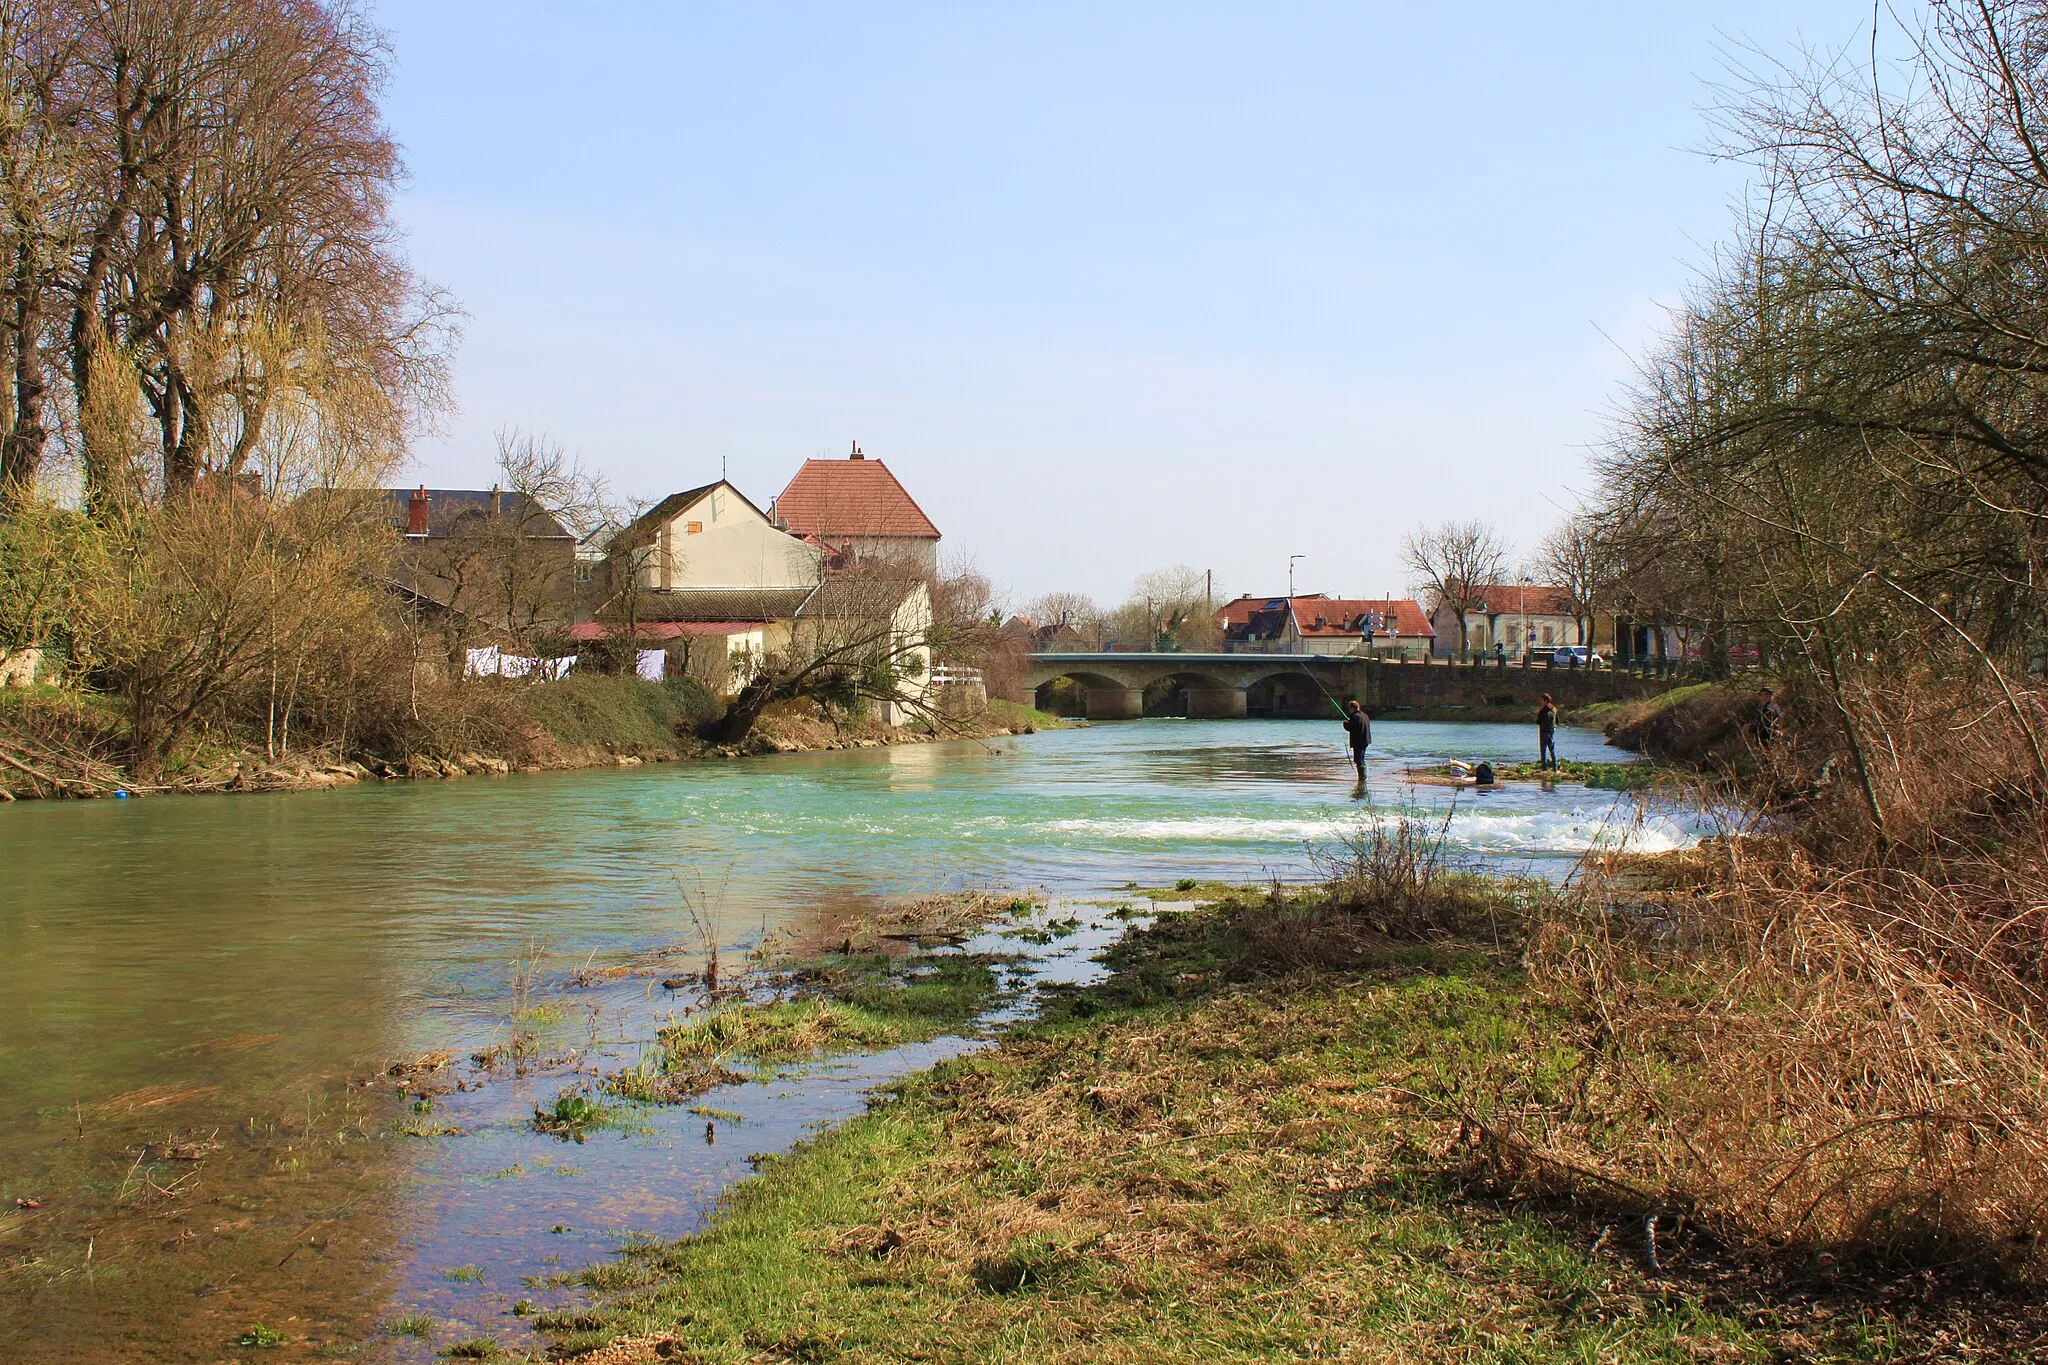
714,538
1521,618
860,514
869,615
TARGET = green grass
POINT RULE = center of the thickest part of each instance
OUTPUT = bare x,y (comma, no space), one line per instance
1625,777
1234,1149
617,712
851,1003
1018,716
417,1325
572,1116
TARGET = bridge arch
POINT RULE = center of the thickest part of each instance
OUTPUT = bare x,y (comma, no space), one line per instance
1066,694
1192,692
1293,693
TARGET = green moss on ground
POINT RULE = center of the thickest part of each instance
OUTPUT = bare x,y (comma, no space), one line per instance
851,1003
1625,777
1234,1149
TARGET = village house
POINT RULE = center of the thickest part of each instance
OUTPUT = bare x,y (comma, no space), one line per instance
1521,618
489,566
856,511
1315,623
709,580
879,614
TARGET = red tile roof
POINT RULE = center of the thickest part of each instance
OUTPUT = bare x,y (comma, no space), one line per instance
851,497
1532,599
1340,615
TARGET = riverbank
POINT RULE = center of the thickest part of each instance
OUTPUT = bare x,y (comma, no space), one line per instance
1261,1138
56,743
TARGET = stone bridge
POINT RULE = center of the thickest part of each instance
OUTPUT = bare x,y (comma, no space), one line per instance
1116,686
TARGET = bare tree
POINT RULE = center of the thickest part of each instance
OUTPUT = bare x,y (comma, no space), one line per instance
1454,565
1073,611
40,217
508,568
1170,609
865,637
1579,560
195,235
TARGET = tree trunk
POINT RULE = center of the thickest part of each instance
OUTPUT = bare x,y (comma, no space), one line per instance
21,449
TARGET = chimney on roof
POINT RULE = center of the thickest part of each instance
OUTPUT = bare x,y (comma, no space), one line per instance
497,501
856,452
416,512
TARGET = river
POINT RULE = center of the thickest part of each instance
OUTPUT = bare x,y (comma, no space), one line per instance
191,988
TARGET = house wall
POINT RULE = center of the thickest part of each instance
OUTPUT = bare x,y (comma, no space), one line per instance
1545,631
1506,628
913,621
920,553
725,663
720,541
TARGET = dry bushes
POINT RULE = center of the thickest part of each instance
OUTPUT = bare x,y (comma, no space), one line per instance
1396,877
1831,1036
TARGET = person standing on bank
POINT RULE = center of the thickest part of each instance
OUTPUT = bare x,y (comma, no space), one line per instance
1546,734
1358,728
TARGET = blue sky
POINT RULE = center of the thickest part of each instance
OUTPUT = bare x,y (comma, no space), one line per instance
1110,287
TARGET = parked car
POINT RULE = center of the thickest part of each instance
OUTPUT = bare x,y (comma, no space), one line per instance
1576,656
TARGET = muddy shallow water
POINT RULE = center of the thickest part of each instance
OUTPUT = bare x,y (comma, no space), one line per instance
192,989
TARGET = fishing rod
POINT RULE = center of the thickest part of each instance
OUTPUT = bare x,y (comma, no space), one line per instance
1364,783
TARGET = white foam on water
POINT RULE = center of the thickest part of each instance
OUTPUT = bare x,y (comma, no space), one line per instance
1523,833
1212,829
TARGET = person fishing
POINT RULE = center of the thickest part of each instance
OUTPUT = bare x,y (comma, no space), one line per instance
1358,728
1546,734
1769,716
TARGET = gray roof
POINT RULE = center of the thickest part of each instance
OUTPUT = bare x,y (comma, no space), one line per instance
860,594
723,604
447,506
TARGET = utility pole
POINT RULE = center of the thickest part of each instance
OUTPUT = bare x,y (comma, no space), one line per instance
1290,574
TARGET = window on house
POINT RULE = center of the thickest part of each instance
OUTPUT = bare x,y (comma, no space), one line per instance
1549,636
693,528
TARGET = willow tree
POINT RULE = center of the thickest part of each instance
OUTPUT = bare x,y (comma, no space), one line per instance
197,241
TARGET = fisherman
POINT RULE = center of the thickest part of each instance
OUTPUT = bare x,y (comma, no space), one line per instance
1546,735
1358,726
1769,716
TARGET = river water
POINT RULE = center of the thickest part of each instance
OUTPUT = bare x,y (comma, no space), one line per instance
191,991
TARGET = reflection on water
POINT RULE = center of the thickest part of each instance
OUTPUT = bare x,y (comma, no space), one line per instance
187,988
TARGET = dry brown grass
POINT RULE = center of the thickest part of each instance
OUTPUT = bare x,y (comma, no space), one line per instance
1833,1036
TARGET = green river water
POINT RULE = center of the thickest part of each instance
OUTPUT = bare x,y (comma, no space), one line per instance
192,989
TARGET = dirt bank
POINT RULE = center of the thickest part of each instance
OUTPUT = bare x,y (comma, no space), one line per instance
56,744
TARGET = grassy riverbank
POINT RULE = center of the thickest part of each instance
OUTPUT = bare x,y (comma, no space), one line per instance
1255,1141
62,742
